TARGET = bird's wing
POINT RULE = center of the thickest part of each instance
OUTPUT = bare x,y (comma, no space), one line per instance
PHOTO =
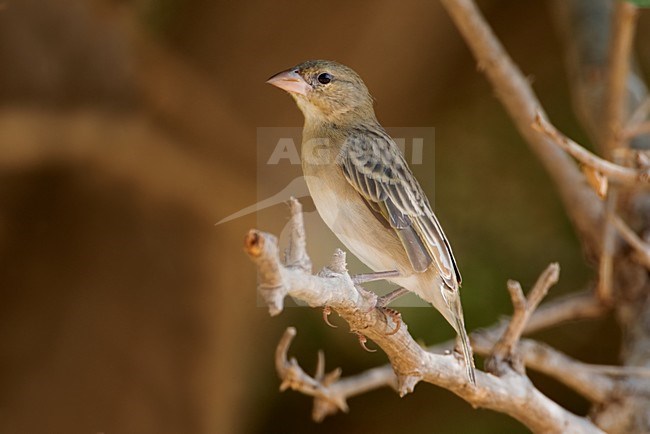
374,165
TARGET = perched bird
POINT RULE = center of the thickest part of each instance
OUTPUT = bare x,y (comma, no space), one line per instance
366,193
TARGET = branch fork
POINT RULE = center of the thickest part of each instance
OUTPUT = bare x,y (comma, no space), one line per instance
612,171
504,357
327,400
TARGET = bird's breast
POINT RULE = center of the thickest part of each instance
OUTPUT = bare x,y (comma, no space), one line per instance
347,214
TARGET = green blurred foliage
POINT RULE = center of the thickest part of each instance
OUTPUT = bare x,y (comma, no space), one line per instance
640,3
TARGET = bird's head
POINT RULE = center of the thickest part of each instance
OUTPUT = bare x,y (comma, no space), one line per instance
326,91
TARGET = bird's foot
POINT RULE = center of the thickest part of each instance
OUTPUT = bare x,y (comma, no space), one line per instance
383,301
395,316
327,311
362,341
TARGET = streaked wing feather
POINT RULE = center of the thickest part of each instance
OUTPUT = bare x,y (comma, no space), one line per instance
415,250
373,164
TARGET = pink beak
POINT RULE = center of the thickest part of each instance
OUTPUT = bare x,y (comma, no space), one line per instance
290,81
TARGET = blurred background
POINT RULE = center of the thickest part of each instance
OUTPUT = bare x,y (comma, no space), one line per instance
129,128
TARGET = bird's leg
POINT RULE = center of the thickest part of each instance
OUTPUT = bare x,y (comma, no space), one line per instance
385,300
382,302
326,313
371,277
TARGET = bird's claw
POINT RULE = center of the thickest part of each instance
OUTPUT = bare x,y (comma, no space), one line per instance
395,316
326,313
362,341
385,300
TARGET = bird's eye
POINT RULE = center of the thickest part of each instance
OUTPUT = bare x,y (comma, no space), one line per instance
324,78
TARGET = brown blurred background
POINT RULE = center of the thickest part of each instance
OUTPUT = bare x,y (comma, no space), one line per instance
128,129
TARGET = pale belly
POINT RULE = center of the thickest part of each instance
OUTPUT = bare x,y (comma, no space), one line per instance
344,211
346,214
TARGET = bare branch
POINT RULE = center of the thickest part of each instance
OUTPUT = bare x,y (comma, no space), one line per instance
578,376
566,370
594,386
638,118
330,392
296,254
616,105
582,305
503,356
642,159
327,400
572,307
605,290
620,174
591,381
637,130
641,248
621,371
587,30
260,247
596,180
513,394
581,203
625,17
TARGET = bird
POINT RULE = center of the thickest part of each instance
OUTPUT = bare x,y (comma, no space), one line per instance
365,192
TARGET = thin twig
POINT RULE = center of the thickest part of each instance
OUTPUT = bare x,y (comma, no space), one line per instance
620,371
616,103
637,124
641,248
625,18
640,113
605,289
503,358
327,400
596,387
637,130
616,173
514,91
577,306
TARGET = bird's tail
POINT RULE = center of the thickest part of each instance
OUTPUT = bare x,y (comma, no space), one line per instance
457,310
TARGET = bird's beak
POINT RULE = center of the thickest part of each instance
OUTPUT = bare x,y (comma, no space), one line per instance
290,81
